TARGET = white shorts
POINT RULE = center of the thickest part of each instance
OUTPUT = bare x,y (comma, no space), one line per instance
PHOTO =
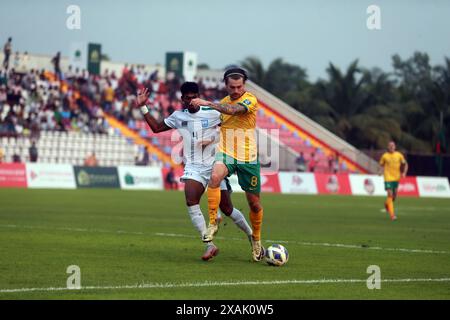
203,175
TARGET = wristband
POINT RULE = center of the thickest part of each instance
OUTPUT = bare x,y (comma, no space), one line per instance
144,109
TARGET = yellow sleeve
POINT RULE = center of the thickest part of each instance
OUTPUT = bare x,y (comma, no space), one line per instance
250,103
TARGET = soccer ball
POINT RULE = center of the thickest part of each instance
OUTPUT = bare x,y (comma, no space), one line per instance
276,255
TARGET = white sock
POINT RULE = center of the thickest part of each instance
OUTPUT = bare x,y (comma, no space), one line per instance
240,221
197,218
219,214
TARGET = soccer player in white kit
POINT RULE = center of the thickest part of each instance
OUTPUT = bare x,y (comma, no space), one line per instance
199,128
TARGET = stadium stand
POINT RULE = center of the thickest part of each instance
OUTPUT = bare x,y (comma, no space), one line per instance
84,114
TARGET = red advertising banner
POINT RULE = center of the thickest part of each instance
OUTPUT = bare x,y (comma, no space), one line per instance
174,177
13,175
408,187
333,183
270,182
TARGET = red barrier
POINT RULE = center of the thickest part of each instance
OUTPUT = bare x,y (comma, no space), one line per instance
408,187
13,175
333,183
270,183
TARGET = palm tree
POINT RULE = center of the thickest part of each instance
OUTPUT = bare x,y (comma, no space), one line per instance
358,106
344,94
255,69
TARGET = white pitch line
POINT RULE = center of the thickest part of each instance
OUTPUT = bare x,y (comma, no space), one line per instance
159,234
318,244
220,284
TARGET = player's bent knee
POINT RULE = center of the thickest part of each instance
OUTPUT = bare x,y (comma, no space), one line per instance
215,180
255,206
226,209
192,202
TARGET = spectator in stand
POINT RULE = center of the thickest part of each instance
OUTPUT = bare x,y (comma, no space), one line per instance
33,152
143,159
70,74
333,163
7,49
312,162
3,78
25,60
301,163
91,160
108,97
16,158
56,64
154,76
170,180
2,155
3,95
146,158
16,63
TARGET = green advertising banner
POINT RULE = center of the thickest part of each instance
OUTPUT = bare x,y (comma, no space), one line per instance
94,58
174,63
96,177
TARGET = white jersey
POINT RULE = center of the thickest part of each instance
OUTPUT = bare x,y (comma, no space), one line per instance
200,132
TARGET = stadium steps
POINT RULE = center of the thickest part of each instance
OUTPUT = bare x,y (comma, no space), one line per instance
277,112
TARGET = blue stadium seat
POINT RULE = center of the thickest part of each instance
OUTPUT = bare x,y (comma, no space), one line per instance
143,133
131,124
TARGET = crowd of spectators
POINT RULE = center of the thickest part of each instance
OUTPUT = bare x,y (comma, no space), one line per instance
36,101
32,101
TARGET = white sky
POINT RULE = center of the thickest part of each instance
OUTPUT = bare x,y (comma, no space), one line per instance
310,33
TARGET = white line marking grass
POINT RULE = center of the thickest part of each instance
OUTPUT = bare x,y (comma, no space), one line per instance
218,284
159,234
319,244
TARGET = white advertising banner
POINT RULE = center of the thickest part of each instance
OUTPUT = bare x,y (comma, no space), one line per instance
293,182
144,178
189,66
367,185
433,187
41,175
78,56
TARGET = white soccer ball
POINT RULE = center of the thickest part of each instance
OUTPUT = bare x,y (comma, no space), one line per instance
276,255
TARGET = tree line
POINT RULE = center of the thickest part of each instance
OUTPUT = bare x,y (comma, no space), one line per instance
369,107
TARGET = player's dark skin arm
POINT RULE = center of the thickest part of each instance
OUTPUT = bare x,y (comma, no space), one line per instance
154,124
221,107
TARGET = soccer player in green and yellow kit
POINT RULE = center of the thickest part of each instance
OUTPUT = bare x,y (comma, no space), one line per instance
395,167
238,154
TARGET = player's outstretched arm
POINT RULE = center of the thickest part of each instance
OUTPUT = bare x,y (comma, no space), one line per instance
221,107
405,170
155,125
380,170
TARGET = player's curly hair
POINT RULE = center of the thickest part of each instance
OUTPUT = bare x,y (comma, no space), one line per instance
189,87
235,73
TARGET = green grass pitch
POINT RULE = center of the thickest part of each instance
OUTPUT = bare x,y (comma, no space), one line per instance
124,239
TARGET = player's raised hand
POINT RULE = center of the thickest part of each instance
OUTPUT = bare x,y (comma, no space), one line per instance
142,97
197,102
